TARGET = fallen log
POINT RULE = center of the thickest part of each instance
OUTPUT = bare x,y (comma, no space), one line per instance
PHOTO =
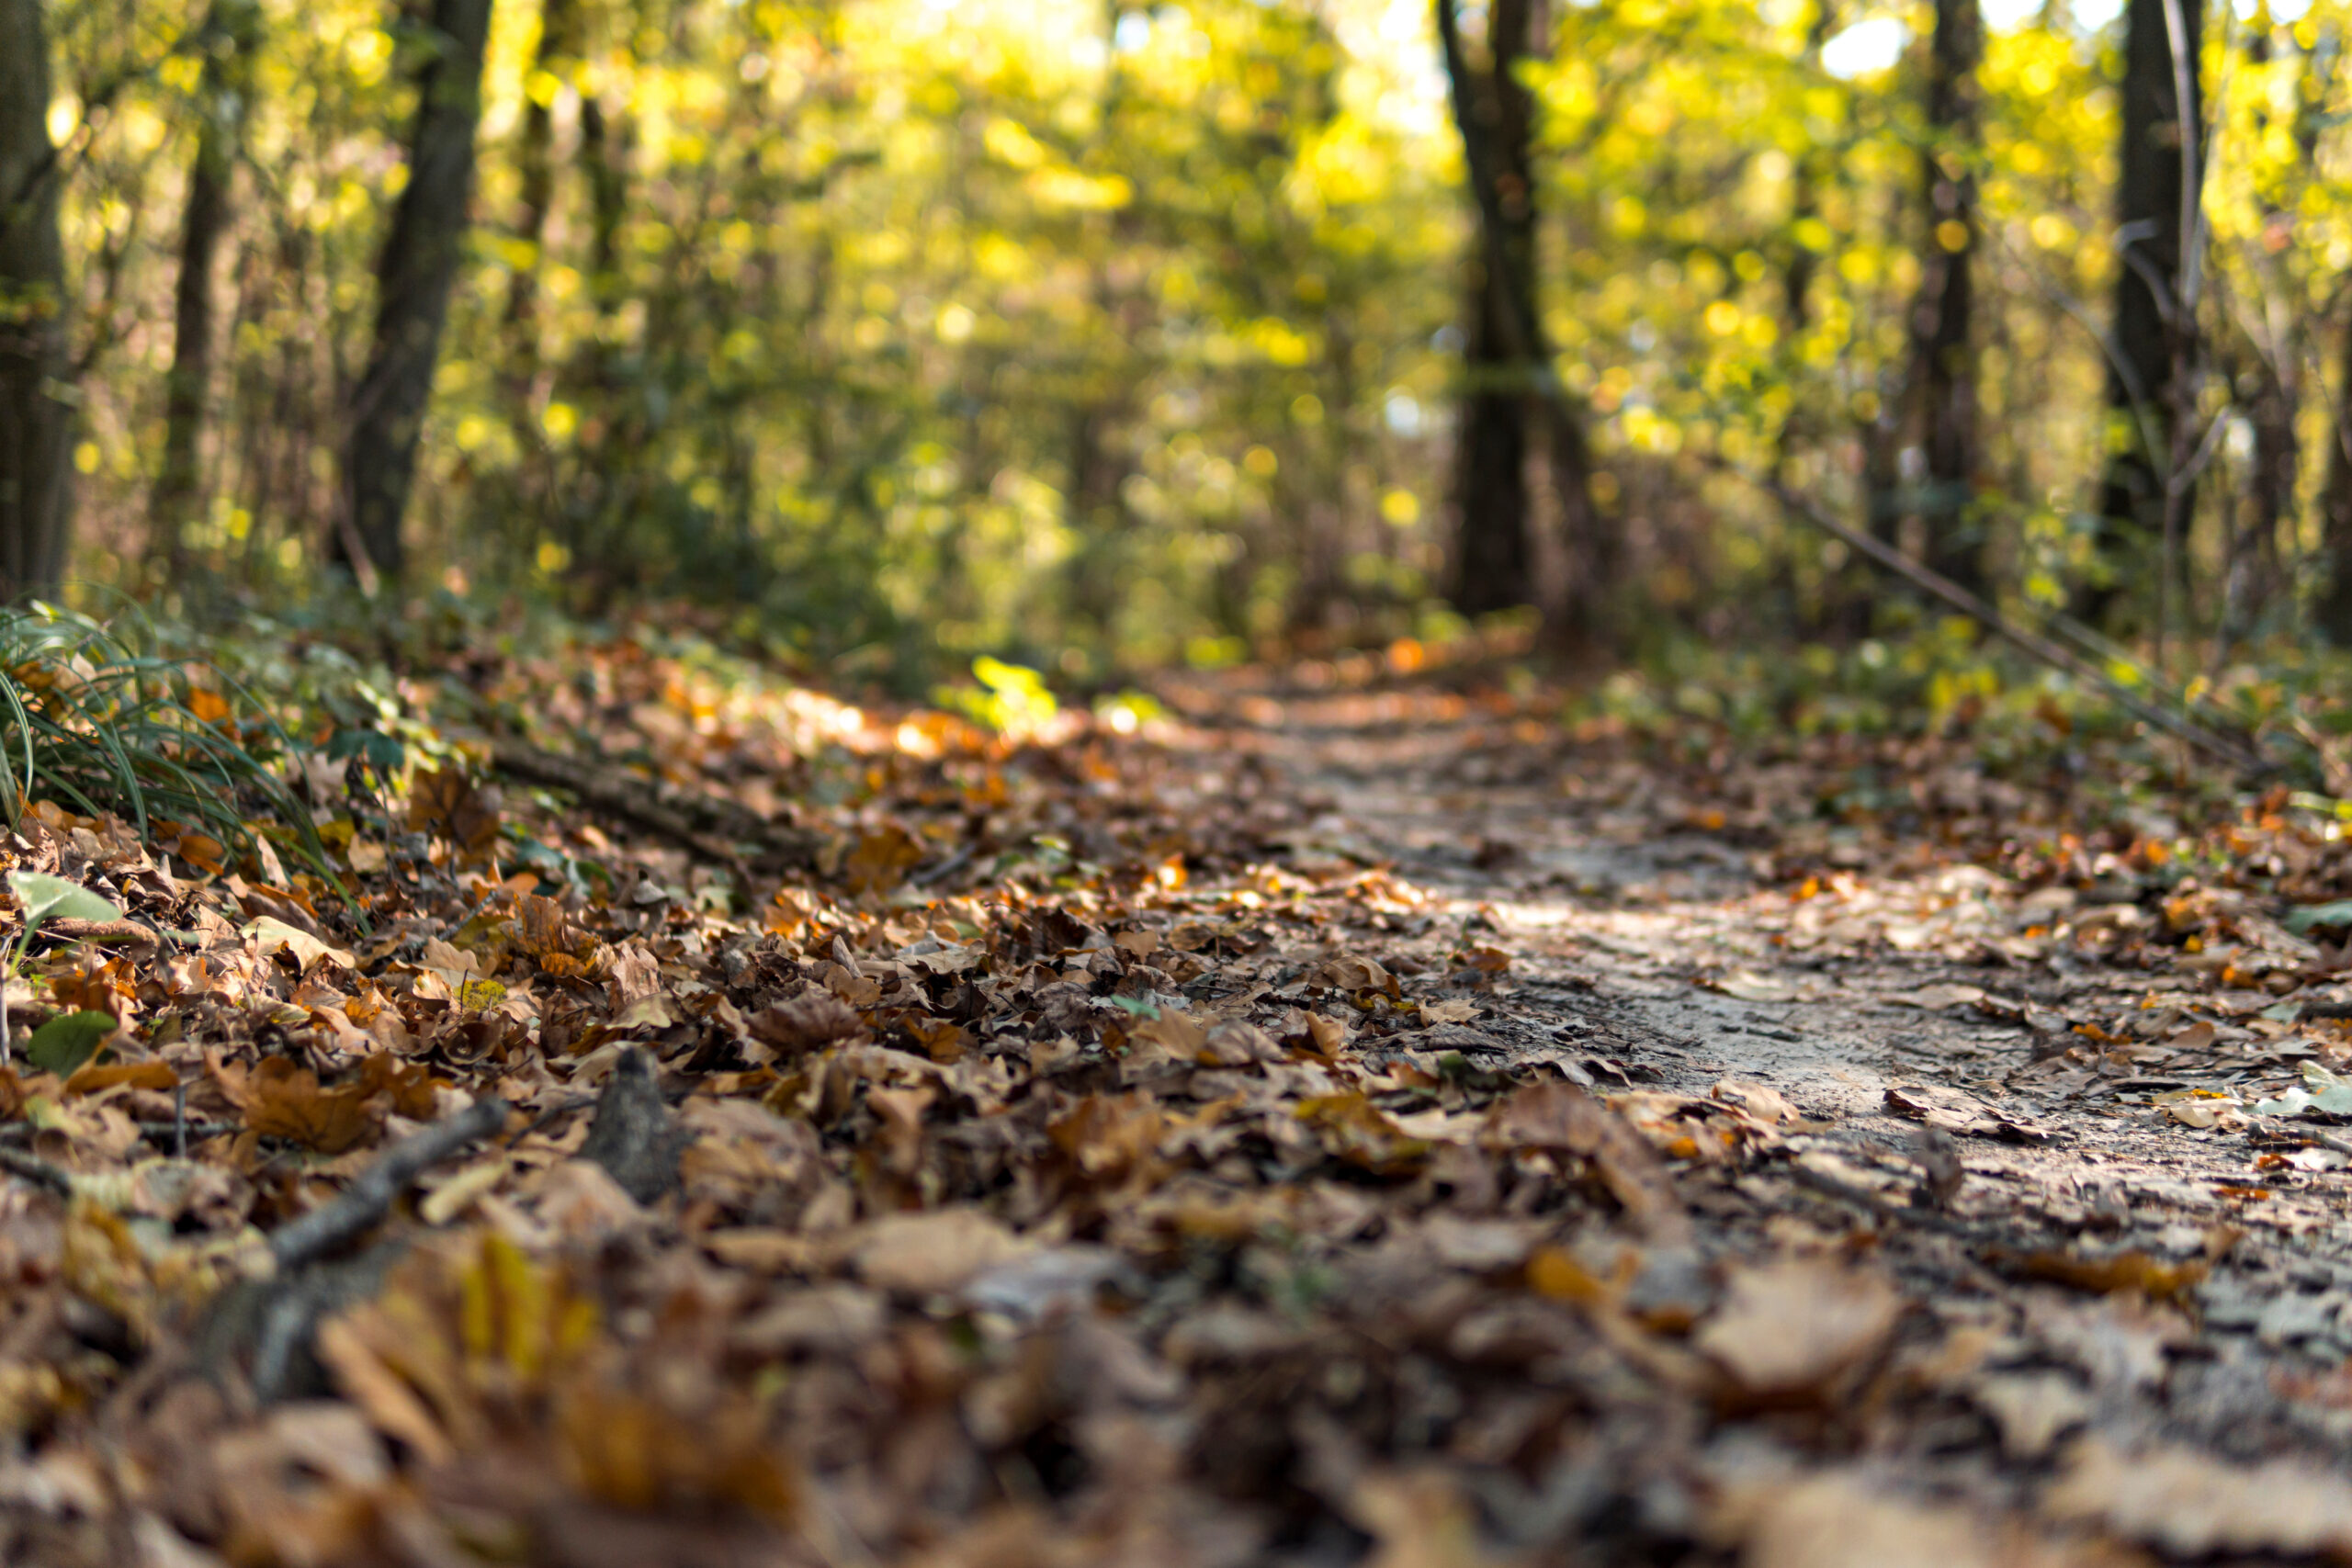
706,825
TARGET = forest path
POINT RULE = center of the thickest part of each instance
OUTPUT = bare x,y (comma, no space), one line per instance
2096,1276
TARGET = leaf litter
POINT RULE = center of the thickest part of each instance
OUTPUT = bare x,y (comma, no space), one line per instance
769,1131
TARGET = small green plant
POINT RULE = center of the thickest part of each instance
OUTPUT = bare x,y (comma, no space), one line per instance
117,718
1015,701
64,1043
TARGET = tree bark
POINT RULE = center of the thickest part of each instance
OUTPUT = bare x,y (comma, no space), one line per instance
2333,610
558,50
2255,571
35,414
414,274
221,94
2161,125
1942,324
1510,393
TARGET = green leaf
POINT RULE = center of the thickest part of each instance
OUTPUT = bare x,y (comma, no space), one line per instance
45,896
70,1038
2322,1090
2339,913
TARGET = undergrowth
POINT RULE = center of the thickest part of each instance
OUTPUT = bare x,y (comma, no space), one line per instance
137,719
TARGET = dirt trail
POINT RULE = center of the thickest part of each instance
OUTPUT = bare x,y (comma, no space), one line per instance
1658,964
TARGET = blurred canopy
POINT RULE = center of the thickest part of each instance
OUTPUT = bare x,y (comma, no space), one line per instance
1115,335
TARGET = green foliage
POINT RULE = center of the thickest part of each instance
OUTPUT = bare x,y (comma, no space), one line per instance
917,329
66,1041
1013,699
39,896
915,332
134,720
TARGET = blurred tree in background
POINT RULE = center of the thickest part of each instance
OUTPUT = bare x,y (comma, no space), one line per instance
1107,336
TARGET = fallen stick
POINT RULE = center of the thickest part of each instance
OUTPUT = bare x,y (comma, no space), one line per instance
371,1195
671,813
39,1172
2221,747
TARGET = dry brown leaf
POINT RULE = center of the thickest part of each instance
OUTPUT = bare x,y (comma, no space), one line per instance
1347,972
270,935
881,860
1798,1327
1562,1117
283,1101
1847,1519
1766,1104
447,804
923,1255
816,1016
2128,1271
1352,1129
2187,1503
138,1075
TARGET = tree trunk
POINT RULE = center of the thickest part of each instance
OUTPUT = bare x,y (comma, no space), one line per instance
2333,610
558,50
414,278
2144,385
1509,384
36,419
221,96
1942,353
2256,577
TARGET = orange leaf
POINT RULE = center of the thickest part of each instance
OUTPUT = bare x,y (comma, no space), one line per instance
881,860
138,1074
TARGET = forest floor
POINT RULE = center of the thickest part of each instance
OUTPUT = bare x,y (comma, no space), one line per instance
1356,1120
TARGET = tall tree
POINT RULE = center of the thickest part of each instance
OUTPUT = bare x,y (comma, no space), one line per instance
1943,359
1511,398
2153,335
413,275
2333,610
558,53
36,421
223,90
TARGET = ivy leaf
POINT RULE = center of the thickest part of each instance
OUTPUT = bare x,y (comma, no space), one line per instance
70,1038
45,896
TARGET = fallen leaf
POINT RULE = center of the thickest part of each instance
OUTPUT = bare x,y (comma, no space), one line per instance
1560,1116
1936,998
2187,1503
150,1075
2032,1409
1798,1327
66,1041
1746,986
271,935
1955,1110
2130,1271
447,804
933,1254
1354,1130
816,1016
1847,1520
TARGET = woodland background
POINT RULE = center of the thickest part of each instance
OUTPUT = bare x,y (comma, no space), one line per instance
1106,337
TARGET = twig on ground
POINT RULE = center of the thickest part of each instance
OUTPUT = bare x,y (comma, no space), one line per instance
39,1172
329,1226
704,824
